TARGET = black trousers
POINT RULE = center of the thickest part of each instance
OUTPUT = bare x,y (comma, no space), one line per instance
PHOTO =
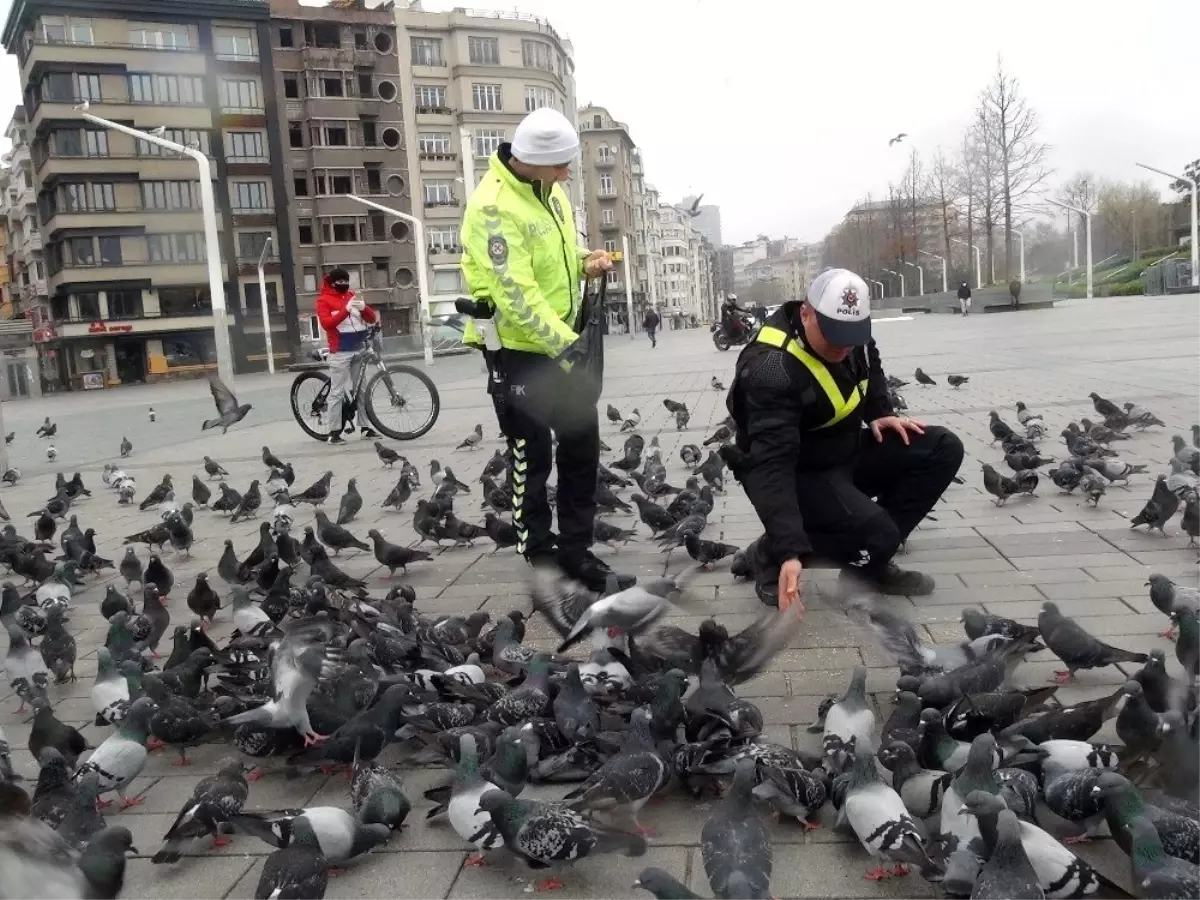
542,399
846,526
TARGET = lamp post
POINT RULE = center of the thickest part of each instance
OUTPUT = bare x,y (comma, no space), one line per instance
978,263
880,283
1021,237
945,288
1195,237
898,275
920,277
625,270
266,313
212,246
1087,223
422,275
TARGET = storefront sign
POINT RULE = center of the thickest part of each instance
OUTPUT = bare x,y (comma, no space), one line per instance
93,381
103,328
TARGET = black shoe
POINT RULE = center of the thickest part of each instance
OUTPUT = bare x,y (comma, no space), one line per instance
766,574
368,432
544,555
894,581
586,568
336,438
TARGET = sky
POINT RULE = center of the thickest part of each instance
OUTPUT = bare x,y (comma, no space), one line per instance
780,112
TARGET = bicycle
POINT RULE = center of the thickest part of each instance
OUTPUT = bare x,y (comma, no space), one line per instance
381,393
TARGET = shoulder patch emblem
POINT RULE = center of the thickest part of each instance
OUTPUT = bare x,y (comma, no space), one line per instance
497,249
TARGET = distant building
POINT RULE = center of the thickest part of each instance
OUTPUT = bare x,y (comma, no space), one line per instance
707,220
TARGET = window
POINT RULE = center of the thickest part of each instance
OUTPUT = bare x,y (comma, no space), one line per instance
447,281
606,184
245,146
427,52
62,30
487,141
124,304
189,137
343,230
370,137
89,197
300,185
183,301
285,36
185,247
438,193
160,37
360,41
309,279
170,194
110,250
305,229
610,246
323,34
234,43
331,134
430,97
486,97
240,95
80,142
326,84
67,143
606,217
483,51
253,302
536,55
95,143
434,142
604,153
89,305
296,135
249,196
612,276
166,89
333,183
537,97
251,244
87,87
442,239
291,87
82,251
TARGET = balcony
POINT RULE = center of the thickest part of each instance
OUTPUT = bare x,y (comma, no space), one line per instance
19,156
436,204
610,226
438,251
329,57
606,193
135,57
605,160
34,241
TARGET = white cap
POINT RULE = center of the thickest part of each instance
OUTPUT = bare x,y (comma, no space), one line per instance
545,138
842,302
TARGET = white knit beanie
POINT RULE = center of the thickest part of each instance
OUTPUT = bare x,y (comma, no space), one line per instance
545,138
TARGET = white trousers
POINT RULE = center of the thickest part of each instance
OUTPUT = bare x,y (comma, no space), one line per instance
343,373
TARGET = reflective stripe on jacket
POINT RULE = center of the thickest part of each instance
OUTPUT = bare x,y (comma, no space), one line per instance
520,250
842,406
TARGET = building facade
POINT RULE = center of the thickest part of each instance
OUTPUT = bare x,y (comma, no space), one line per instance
125,255
469,79
338,88
707,219
686,290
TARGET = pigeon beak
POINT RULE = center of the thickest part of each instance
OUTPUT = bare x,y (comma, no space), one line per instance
1095,790
964,810
134,851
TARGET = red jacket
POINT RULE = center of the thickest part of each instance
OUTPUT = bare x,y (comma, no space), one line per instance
343,331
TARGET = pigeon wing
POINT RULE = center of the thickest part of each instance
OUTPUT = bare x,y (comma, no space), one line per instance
222,396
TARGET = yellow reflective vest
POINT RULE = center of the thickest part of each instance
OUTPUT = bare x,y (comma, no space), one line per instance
842,406
521,252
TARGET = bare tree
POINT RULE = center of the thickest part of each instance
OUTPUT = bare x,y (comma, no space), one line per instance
987,170
945,186
1131,214
1080,191
914,189
1012,135
967,170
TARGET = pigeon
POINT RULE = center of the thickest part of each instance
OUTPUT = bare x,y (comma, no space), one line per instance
126,447
298,869
1158,509
386,455
716,384
707,552
1093,487
724,433
1187,647
880,821
957,381
1008,874
201,492
998,427
663,885
103,861
120,758
1190,520
317,493
1166,595
921,789
438,475
26,671
1179,834
1153,872
399,495
159,575
350,504
462,805
394,556
610,535
472,440
363,736
632,610
47,428
614,414
849,724
654,516
214,799
632,421
735,844
1020,462
110,690
47,732
501,533
81,819
1140,417
335,536
229,411
690,454
203,600
922,378
998,485
1104,408
250,503
214,469
377,795
1067,639
1114,469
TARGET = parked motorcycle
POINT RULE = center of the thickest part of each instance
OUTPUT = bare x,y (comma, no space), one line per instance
724,340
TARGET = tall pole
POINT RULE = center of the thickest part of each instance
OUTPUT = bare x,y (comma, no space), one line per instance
901,277
920,278
1195,237
266,313
880,283
212,246
422,274
468,160
945,287
1087,220
978,262
625,268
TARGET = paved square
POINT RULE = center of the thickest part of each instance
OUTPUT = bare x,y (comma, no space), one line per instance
1006,560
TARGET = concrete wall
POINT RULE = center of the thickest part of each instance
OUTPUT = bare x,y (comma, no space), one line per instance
992,298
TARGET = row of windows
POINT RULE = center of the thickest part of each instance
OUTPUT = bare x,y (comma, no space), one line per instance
485,51
229,42
94,196
234,94
487,97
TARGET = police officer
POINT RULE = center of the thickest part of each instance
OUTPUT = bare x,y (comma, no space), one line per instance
521,253
817,439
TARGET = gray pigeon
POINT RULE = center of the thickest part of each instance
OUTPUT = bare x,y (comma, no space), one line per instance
849,724
340,836
126,447
298,869
335,536
976,775
159,616
131,567
575,713
632,610
201,492
1179,834
629,779
735,844
229,411
214,799
377,795
83,818
1158,509
121,757
1008,873
394,556
36,862
1067,639
920,789
1155,874
1166,595
103,861
663,885
879,819
351,503
469,821
1070,796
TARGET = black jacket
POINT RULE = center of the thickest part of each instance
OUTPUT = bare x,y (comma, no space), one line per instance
650,322
779,407
964,292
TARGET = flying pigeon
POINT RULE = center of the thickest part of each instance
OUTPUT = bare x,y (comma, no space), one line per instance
229,411
897,139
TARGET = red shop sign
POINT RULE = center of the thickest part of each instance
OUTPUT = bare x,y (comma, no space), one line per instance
102,328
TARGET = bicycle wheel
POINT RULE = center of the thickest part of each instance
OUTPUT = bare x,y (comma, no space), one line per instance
310,399
402,403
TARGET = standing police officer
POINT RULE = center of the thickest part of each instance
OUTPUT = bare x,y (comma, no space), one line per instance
520,252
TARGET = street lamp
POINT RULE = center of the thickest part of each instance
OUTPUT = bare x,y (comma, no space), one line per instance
901,277
978,263
1021,237
920,277
422,276
212,247
1087,222
1195,237
266,314
945,288
880,283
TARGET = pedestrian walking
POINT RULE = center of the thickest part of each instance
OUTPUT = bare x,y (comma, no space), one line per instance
964,298
517,232
651,323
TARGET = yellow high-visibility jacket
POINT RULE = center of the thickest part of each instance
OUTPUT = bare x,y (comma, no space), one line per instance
521,252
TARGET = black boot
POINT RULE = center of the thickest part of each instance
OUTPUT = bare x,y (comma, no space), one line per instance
893,581
591,571
765,572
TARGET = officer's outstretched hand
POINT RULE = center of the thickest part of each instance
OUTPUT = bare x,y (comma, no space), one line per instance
902,425
789,587
597,263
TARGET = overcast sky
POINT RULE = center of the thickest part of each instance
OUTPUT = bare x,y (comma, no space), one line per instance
780,112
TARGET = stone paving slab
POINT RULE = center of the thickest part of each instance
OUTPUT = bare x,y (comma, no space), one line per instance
1007,560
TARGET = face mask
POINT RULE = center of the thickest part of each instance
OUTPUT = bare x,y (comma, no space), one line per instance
341,286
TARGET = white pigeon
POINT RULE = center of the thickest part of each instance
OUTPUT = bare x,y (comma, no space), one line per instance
110,690
468,820
121,757
24,666
849,724
604,675
880,820
248,616
630,611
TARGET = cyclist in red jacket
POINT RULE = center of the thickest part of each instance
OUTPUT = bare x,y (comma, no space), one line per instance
346,321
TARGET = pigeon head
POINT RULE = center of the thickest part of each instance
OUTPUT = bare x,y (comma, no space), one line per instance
115,840
494,802
659,883
1050,607
1110,784
929,716
894,753
981,803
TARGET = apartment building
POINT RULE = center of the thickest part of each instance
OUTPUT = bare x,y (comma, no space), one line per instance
124,251
686,267
707,219
23,248
470,77
338,91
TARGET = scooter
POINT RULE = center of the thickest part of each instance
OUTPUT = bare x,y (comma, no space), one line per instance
723,340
